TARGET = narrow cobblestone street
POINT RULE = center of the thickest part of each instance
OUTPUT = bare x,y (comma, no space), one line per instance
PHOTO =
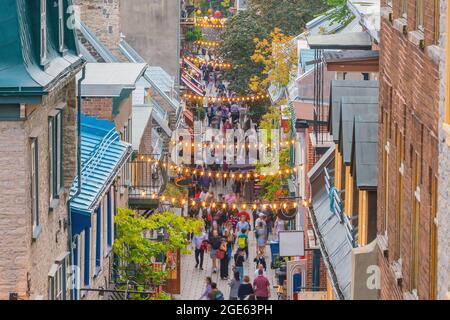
193,280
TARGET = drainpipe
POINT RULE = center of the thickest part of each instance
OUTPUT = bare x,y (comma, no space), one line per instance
83,75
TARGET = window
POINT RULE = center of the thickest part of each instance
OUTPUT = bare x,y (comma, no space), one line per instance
34,186
55,150
415,224
61,24
43,33
420,7
398,216
81,260
51,158
384,221
403,8
57,278
436,21
434,240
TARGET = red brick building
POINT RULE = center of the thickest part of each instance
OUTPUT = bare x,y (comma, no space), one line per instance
408,148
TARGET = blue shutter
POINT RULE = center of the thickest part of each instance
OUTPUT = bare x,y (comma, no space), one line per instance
316,270
109,215
87,252
98,236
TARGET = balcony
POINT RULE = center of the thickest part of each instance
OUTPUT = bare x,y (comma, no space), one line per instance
147,181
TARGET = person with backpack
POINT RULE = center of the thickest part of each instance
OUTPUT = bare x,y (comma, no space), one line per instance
199,244
243,242
215,293
239,263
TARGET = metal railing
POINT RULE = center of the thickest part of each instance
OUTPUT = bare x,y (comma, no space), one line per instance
337,207
146,179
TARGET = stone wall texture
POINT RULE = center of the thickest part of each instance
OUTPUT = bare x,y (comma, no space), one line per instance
25,263
443,215
409,84
102,17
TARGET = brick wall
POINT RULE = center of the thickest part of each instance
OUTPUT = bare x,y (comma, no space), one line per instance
102,17
97,107
409,93
20,256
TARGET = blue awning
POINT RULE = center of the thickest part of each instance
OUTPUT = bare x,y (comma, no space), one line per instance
102,156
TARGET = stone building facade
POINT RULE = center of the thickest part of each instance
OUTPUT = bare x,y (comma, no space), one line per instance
443,213
25,261
408,149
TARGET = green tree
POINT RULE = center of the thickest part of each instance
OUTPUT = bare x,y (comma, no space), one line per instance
238,47
136,251
258,21
290,16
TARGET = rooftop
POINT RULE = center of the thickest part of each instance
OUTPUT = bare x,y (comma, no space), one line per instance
109,79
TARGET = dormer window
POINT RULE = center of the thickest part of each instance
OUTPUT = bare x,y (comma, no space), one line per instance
43,33
61,25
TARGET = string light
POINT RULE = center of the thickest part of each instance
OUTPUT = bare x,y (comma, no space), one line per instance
207,43
252,98
214,64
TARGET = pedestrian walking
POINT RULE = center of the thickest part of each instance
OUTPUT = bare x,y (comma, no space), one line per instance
260,267
215,293
260,261
239,263
245,289
214,241
201,244
223,257
261,238
261,285
278,226
207,290
234,284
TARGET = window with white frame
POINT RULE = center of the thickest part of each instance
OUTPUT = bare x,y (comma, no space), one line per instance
57,278
43,32
61,24
51,167
81,260
34,183
55,151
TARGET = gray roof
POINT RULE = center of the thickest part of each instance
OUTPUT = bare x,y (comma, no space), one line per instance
98,46
335,245
350,55
350,108
343,88
344,41
365,150
109,79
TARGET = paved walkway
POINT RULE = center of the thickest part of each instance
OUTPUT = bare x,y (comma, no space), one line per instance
193,280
